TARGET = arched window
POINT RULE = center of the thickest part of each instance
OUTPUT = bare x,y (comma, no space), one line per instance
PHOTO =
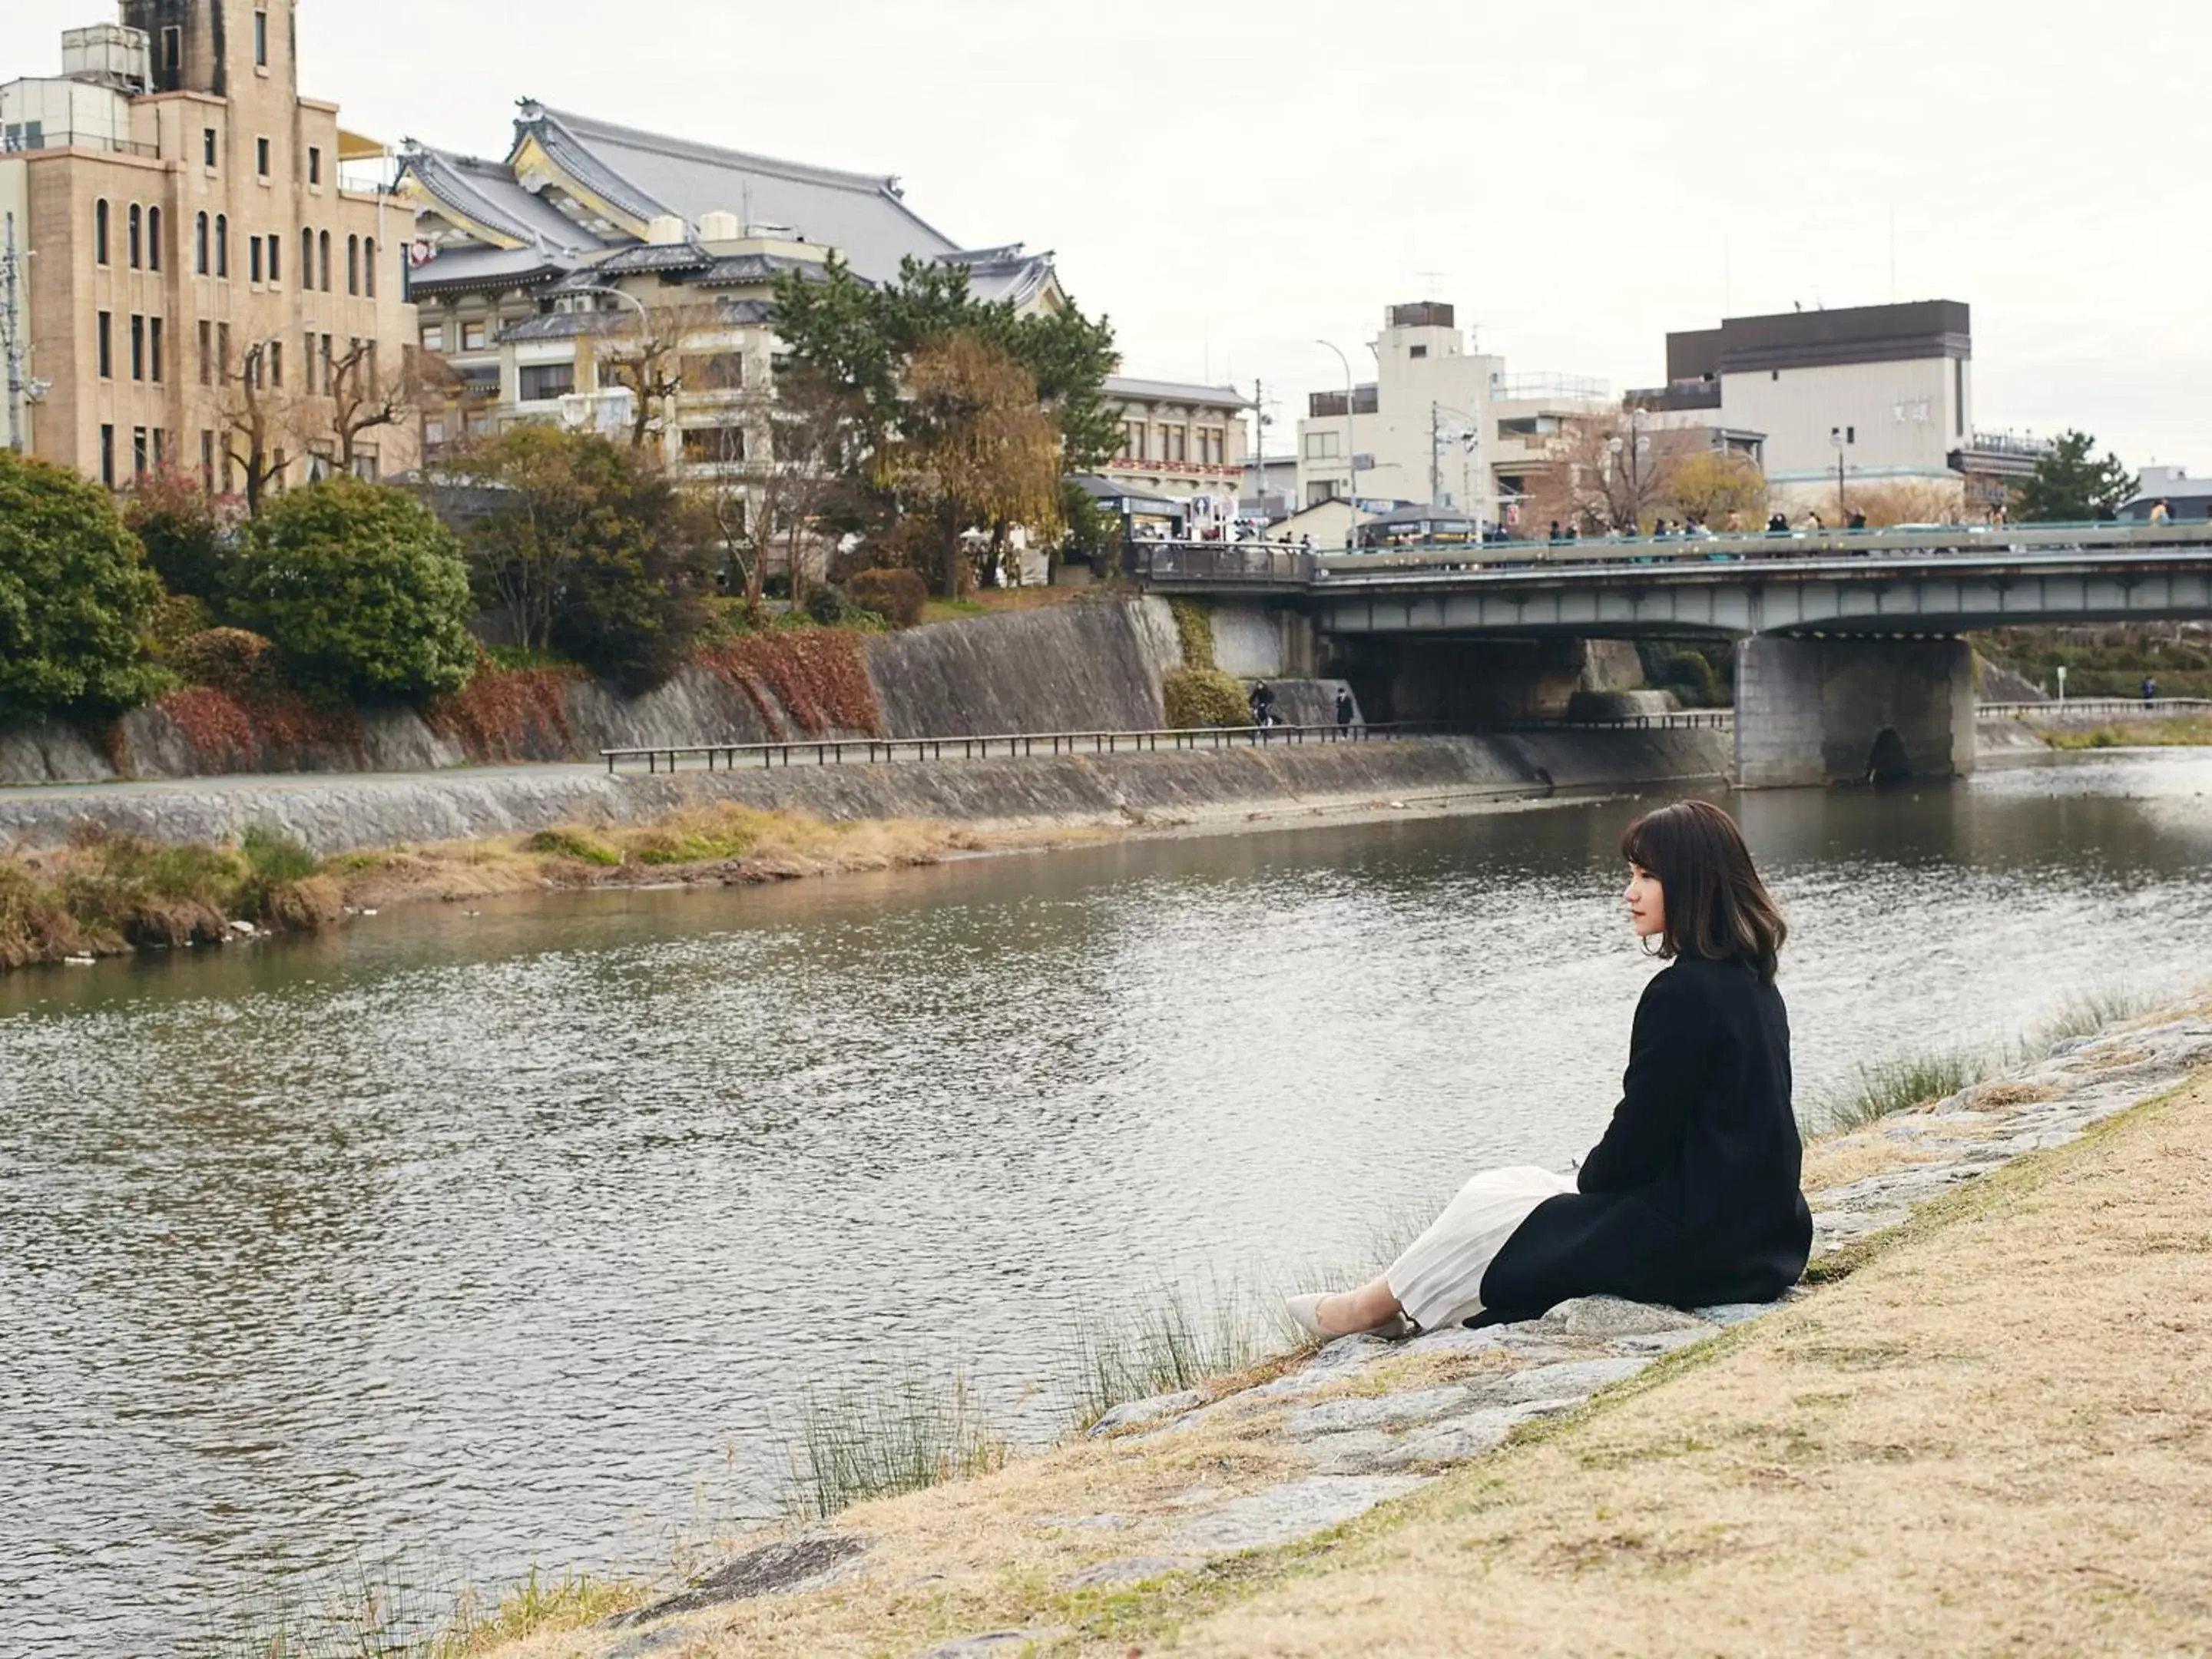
222,245
200,245
99,232
368,267
352,264
306,259
153,239
137,237
326,249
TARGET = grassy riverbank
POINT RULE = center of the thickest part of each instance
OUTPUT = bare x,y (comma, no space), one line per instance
2171,733
110,894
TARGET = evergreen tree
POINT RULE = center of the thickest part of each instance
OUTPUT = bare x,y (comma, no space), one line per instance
76,596
2067,486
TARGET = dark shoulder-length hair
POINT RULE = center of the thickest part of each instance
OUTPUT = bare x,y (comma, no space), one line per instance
1716,907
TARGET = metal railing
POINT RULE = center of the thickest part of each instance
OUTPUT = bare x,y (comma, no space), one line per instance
1022,746
1250,562
2095,707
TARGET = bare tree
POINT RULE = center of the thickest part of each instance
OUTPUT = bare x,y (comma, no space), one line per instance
648,357
1608,473
257,416
363,398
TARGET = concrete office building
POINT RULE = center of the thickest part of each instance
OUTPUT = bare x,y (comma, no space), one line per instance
185,247
1442,424
1887,391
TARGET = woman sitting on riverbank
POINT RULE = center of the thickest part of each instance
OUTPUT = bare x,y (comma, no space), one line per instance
1691,1198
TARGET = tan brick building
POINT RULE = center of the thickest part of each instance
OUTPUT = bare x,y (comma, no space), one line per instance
196,287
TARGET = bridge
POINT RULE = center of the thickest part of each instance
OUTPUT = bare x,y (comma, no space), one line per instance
1848,653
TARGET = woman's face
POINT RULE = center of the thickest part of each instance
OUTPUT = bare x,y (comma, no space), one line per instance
1647,904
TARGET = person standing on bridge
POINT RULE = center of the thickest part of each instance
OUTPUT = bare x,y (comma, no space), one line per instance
2149,690
1691,1198
2159,511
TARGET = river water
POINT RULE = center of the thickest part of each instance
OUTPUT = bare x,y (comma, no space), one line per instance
518,1239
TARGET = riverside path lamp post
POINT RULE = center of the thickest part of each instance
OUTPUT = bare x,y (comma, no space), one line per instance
1840,437
1350,452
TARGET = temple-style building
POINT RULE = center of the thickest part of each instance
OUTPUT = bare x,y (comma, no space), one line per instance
543,279
187,279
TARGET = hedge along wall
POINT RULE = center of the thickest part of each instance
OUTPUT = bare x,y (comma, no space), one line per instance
1096,666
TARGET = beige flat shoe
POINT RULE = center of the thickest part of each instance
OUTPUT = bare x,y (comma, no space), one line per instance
1305,1314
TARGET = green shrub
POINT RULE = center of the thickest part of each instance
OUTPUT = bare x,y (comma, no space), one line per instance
77,597
1204,697
176,619
1193,631
184,540
361,589
573,844
897,596
240,664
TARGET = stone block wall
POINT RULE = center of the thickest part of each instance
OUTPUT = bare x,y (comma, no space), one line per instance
1820,711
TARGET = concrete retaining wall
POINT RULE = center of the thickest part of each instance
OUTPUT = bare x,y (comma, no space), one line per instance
334,815
1091,666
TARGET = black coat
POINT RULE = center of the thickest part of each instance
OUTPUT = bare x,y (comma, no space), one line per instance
1692,1199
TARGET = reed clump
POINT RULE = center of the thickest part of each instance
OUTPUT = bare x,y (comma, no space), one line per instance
855,1444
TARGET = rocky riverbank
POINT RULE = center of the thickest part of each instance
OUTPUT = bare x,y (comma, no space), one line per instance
1997,1373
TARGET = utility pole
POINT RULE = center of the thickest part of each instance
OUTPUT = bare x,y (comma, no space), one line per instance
1435,453
11,334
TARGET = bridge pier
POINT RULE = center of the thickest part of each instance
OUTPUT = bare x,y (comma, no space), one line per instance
1848,710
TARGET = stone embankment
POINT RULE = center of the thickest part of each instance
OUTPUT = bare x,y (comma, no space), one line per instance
1096,666
1120,1535
331,815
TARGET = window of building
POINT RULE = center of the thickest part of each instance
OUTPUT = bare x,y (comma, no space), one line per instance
1322,447
207,461
207,147
153,349
253,259
1958,397
542,381
137,347
315,164
222,353
284,464
107,456
276,259
261,156
1211,445
433,434
103,345
368,267
1178,443
160,436
1417,351
352,264
714,445
275,362
138,455
261,40
474,336
137,243
1133,439
308,360
433,337
323,251
200,246
306,259
364,465
207,352
153,239
718,371
172,56
99,232
222,245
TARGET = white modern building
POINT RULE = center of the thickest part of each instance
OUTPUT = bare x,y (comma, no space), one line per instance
1440,424
1885,392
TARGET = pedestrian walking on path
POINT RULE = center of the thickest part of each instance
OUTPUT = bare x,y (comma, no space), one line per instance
1691,1198
2149,690
1344,709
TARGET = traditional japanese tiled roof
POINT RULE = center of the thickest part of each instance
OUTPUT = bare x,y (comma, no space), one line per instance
1175,392
486,193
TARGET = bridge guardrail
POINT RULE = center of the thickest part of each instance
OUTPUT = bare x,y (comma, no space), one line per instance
883,751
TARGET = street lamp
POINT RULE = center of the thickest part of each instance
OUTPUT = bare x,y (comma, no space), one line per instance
644,325
1840,437
1352,449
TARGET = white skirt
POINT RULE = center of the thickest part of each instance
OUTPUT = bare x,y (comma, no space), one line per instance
1438,1281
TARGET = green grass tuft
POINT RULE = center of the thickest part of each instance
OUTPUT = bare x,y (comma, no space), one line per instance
574,844
855,1444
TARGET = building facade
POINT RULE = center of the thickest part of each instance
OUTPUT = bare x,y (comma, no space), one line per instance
1179,440
206,295
1883,392
606,278
1441,425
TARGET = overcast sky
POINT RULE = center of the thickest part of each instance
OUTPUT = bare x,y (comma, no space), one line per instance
1231,181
